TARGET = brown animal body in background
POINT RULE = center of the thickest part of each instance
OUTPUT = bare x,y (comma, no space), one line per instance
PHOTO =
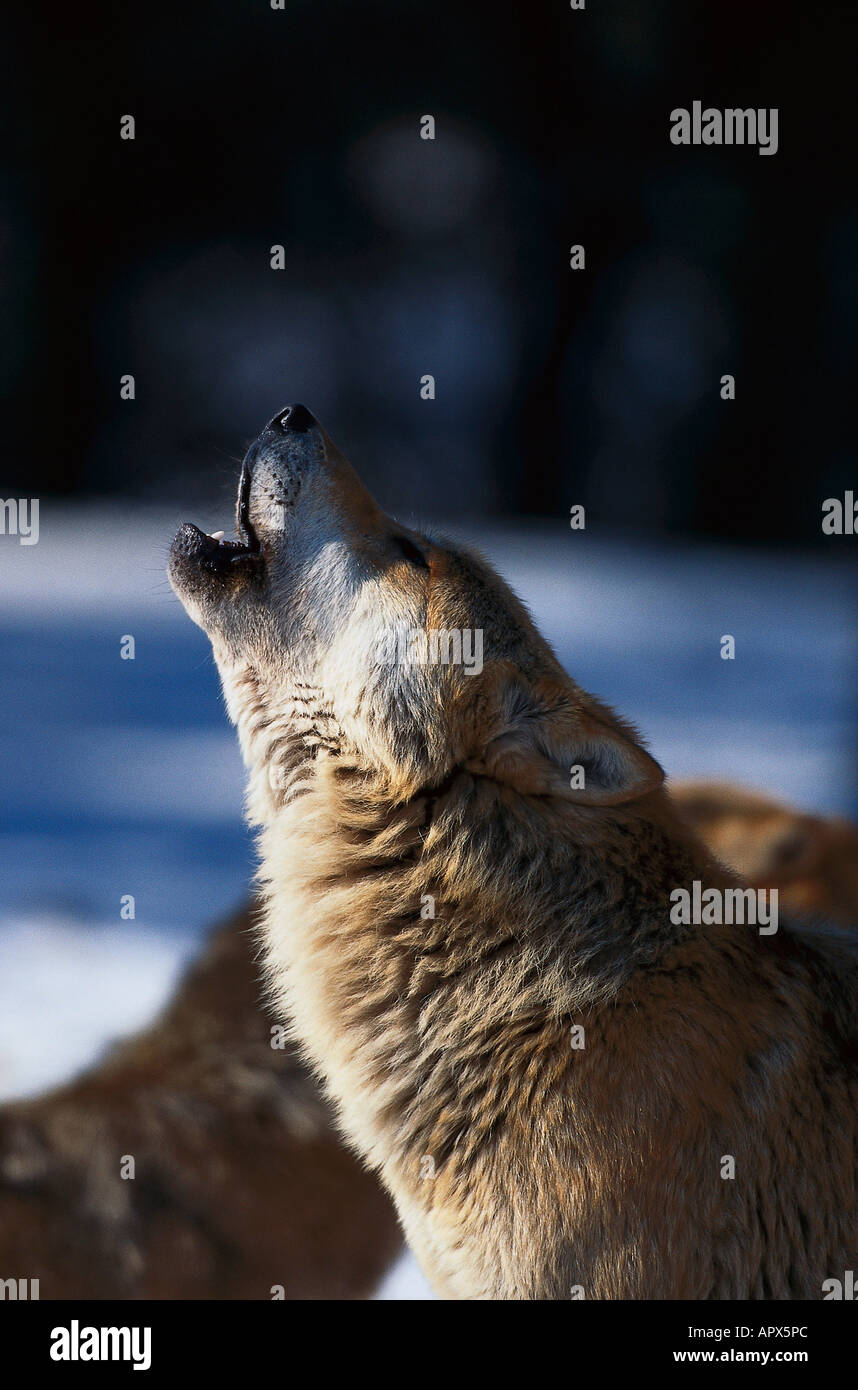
240,1182
469,873
811,860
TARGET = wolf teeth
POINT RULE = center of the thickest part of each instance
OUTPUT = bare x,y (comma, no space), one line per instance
216,535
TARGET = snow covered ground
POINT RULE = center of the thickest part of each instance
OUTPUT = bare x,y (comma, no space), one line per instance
123,777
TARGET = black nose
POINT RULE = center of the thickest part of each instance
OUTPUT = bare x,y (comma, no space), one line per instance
297,419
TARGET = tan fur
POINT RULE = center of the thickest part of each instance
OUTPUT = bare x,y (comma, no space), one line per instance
521,1167
240,1185
811,860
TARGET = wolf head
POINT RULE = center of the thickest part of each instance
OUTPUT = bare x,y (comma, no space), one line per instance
335,627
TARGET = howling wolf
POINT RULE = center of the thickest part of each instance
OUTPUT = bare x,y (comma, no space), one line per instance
468,875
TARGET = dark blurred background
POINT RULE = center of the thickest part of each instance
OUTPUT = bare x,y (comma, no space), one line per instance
407,256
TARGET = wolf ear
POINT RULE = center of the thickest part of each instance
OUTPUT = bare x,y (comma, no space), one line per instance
559,750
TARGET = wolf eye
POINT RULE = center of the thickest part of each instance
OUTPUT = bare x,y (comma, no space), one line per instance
411,552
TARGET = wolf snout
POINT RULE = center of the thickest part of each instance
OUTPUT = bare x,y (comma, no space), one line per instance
291,446
292,439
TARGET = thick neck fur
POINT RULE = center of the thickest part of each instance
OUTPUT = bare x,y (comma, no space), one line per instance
280,734
434,953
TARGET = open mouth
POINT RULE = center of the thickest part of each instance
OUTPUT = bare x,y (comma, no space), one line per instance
213,552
